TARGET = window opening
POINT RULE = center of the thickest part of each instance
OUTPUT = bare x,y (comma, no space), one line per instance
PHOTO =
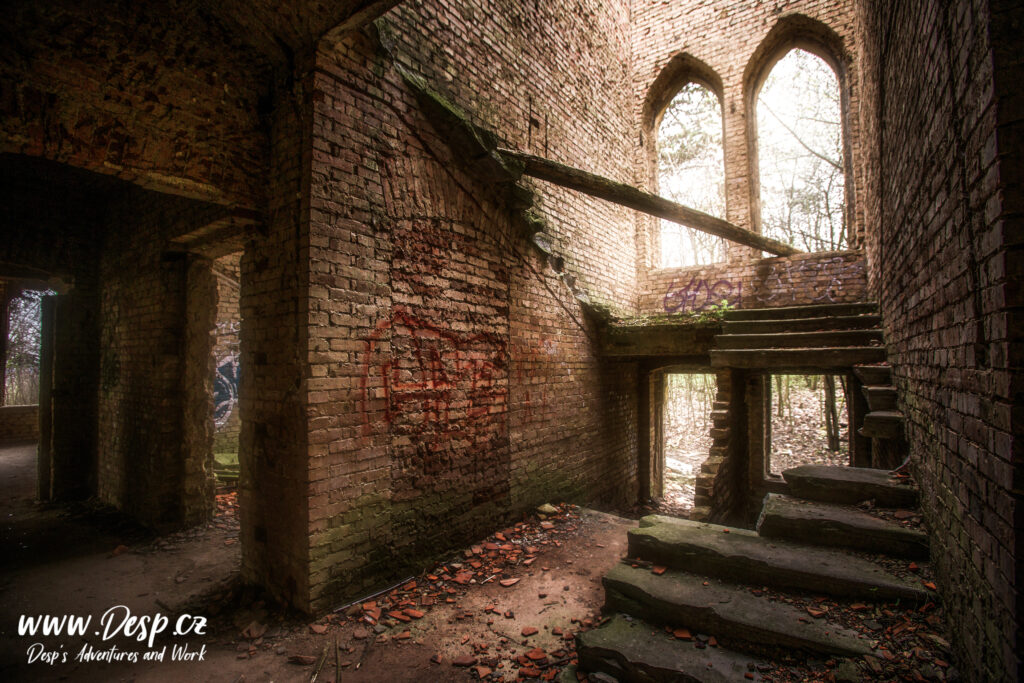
691,171
800,154
24,337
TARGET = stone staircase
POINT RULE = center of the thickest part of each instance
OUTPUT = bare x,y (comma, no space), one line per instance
800,338
688,603
828,338
883,423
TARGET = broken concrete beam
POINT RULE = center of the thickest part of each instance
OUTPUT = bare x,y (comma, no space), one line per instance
627,195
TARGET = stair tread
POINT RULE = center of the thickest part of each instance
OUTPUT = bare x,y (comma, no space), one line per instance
746,557
790,339
837,484
814,310
884,415
632,650
725,610
820,523
808,357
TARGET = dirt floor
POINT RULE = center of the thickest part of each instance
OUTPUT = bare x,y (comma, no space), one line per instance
505,608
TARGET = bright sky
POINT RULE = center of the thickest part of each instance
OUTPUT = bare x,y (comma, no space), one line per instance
800,155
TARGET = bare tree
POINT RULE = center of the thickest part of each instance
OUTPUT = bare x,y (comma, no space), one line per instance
23,339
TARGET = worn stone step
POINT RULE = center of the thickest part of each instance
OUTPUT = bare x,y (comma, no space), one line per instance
813,523
633,651
743,556
791,312
709,606
806,359
720,405
789,340
882,424
880,397
836,322
850,485
874,374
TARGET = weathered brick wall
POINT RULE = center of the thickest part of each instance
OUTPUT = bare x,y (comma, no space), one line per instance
143,317
454,380
169,100
729,47
821,278
274,453
944,249
19,423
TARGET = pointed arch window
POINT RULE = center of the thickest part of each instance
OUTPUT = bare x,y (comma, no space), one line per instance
691,171
800,154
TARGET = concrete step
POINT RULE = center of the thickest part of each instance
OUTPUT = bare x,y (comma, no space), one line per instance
806,359
880,397
850,485
837,322
726,611
882,424
785,339
633,651
743,556
812,523
791,312
874,374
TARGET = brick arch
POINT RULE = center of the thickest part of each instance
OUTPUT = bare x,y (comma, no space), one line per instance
798,31
681,70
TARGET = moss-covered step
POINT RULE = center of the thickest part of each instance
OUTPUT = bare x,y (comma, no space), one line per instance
724,610
633,651
831,322
815,523
850,485
812,311
721,552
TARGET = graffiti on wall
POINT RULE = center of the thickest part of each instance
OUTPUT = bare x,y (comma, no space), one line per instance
786,281
783,283
225,374
698,294
431,376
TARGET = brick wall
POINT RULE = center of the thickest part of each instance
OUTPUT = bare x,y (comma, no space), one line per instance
729,47
142,465
19,423
821,278
453,375
944,247
167,101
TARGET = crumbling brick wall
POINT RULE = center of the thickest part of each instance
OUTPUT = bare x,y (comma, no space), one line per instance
804,279
945,189
19,423
454,378
167,102
142,362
